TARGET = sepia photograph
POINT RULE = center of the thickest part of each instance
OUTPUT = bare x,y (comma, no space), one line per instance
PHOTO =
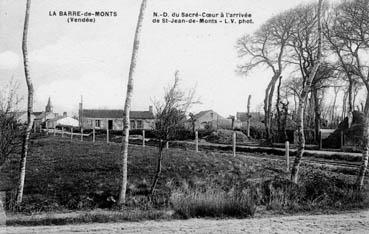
173,116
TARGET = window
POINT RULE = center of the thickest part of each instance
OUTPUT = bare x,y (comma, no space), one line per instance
139,124
133,124
110,124
97,123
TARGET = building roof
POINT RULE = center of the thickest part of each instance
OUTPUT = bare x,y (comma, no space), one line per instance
116,114
201,113
43,115
40,116
17,114
65,121
37,113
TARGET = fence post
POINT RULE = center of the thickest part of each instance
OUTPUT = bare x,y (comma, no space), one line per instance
62,132
107,135
234,143
71,133
55,131
167,145
342,143
47,129
320,140
287,146
81,134
93,134
197,141
2,209
143,137
248,116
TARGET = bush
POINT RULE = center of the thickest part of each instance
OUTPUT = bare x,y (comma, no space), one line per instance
223,136
203,133
212,203
326,191
280,193
316,191
257,131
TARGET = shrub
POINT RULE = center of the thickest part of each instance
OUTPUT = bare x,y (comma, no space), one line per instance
280,193
322,191
315,191
223,136
203,133
257,131
212,203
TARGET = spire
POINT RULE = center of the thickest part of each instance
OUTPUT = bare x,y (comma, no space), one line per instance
49,106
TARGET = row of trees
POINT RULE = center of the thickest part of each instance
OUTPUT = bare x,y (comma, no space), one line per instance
311,48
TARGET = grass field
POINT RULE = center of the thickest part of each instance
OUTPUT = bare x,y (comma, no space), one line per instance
63,175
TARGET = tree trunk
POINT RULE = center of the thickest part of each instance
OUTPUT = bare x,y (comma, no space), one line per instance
302,100
278,109
25,144
350,101
300,140
266,111
158,168
364,162
334,106
317,119
284,124
344,105
268,107
270,103
127,105
295,106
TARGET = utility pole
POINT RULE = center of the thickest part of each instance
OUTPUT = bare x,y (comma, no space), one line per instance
248,116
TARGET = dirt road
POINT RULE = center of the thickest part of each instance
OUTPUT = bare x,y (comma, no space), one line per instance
339,223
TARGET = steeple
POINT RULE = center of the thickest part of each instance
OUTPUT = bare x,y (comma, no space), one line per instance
49,107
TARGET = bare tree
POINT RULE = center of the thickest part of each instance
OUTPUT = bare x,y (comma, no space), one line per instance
344,60
170,119
127,105
267,47
351,33
193,123
11,133
278,109
321,82
336,90
23,160
307,45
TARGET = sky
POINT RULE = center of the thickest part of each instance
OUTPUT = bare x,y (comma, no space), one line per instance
70,60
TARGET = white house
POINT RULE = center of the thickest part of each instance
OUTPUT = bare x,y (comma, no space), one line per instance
62,121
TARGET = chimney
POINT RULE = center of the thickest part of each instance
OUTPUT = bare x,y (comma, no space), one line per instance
65,114
80,112
151,109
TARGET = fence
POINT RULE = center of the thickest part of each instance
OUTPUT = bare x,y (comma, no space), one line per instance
111,137
108,136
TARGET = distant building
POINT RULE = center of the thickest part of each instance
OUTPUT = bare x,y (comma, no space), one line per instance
64,120
113,119
22,117
208,119
42,117
211,120
242,116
